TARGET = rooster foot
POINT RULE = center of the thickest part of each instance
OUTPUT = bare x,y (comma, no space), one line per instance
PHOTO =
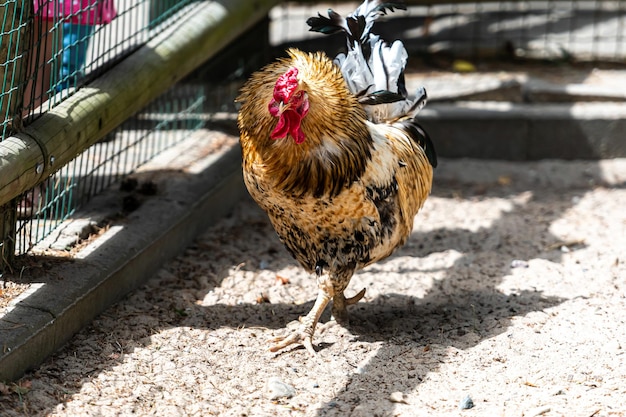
304,333
302,336
340,302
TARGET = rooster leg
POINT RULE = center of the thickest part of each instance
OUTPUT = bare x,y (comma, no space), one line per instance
340,302
304,333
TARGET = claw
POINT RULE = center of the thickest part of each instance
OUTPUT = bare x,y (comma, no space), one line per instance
356,298
304,333
297,337
340,302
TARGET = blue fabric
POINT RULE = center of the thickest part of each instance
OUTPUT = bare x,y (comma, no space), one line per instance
75,43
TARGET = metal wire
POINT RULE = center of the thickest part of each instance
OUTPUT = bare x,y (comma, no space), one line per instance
171,118
550,29
43,208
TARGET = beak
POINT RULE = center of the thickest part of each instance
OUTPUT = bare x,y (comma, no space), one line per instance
281,107
277,108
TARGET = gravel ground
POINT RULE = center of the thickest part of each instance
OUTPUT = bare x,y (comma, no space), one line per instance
509,298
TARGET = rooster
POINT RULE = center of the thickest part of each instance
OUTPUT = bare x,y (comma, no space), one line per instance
333,154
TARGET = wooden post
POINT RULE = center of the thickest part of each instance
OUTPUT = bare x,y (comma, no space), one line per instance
8,220
13,44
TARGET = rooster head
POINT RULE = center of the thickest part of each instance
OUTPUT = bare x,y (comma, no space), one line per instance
289,104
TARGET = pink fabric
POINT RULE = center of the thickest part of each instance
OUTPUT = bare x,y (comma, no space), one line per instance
82,12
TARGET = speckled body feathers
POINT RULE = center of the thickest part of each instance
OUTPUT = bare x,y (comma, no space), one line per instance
347,196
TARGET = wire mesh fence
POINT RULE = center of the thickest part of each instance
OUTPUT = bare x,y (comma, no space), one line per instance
556,30
73,42
162,124
50,49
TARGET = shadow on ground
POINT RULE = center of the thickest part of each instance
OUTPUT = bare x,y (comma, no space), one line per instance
460,310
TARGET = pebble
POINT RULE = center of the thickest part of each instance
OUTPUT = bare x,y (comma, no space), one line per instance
466,403
397,397
276,389
518,263
359,370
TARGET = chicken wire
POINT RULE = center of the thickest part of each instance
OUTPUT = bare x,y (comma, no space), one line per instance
35,45
66,51
162,124
49,48
553,30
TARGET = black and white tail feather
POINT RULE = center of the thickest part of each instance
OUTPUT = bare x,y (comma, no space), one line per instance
373,69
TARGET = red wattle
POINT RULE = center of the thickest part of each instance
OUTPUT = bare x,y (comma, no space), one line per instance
288,124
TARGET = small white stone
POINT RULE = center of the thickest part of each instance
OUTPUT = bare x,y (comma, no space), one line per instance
276,389
397,397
